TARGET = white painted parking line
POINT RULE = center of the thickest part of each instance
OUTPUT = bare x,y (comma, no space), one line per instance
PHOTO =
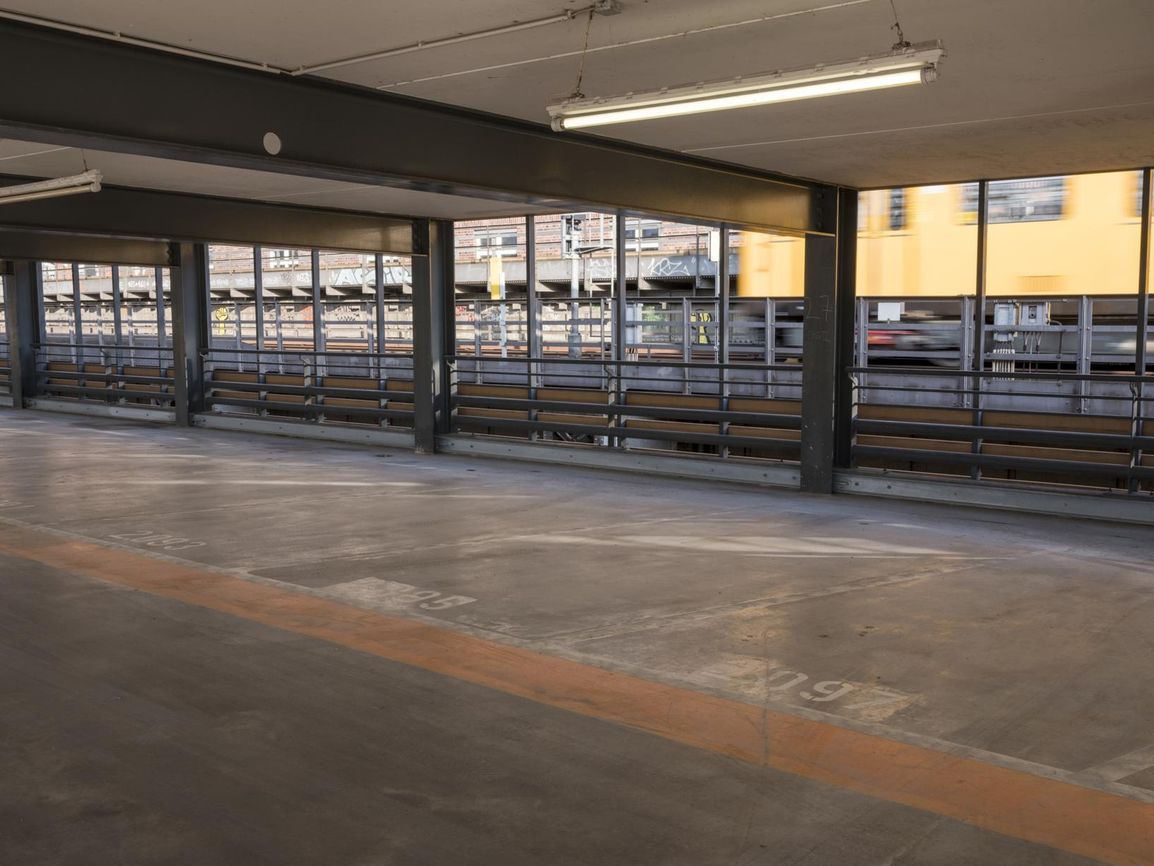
1124,765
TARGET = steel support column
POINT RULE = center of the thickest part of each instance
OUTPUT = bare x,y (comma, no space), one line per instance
621,296
721,337
1140,354
25,328
820,371
845,396
978,354
258,304
190,335
379,309
79,352
433,330
117,321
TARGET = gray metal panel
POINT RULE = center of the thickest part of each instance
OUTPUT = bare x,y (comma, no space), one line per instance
45,247
134,100
118,212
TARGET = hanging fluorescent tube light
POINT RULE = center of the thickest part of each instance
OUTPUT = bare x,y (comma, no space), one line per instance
77,183
915,64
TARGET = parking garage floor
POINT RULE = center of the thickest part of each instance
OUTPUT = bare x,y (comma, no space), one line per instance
222,648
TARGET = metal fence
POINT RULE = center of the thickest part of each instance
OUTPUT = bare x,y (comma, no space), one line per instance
1065,428
320,387
731,410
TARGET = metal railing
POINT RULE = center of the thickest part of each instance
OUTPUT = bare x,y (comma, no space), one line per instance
727,409
127,375
1086,429
322,387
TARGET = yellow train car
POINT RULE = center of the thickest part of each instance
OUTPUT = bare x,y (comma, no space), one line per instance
1054,237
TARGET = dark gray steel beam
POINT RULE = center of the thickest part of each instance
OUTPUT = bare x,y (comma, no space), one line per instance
189,328
119,212
343,132
847,216
317,305
978,353
820,371
45,247
532,295
258,302
621,296
433,323
1140,355
24,328
722,295
77,316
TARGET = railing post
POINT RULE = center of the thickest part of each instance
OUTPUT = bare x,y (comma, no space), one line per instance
25,327
433,331
190,336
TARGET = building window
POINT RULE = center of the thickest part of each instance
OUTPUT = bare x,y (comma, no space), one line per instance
280,258
897,214
650,235
1014,201
495,242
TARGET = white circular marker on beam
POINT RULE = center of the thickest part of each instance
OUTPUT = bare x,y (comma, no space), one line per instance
271,142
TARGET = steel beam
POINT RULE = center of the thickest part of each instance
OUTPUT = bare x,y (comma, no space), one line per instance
433,330
342,132
845,398
41,246
621,295
190,293
978,354
257,304
24,328
819,373
1140,354
532,293
120,212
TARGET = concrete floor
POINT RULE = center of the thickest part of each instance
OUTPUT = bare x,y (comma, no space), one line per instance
143,724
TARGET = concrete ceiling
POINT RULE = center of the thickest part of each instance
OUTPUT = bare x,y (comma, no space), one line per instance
1029,87
42,160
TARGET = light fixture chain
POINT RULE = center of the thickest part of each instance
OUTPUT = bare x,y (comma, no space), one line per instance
577,94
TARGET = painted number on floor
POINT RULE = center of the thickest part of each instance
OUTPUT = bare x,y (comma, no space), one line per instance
872,699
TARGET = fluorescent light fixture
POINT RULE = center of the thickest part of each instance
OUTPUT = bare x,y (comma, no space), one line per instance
914,64
77,183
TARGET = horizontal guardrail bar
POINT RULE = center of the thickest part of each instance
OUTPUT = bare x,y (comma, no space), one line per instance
961,432
311,409
310,390
1102,470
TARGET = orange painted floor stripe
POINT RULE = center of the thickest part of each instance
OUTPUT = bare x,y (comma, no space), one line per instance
1084,821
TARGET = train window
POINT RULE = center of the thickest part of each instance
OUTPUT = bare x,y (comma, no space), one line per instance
897,211
1010,201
